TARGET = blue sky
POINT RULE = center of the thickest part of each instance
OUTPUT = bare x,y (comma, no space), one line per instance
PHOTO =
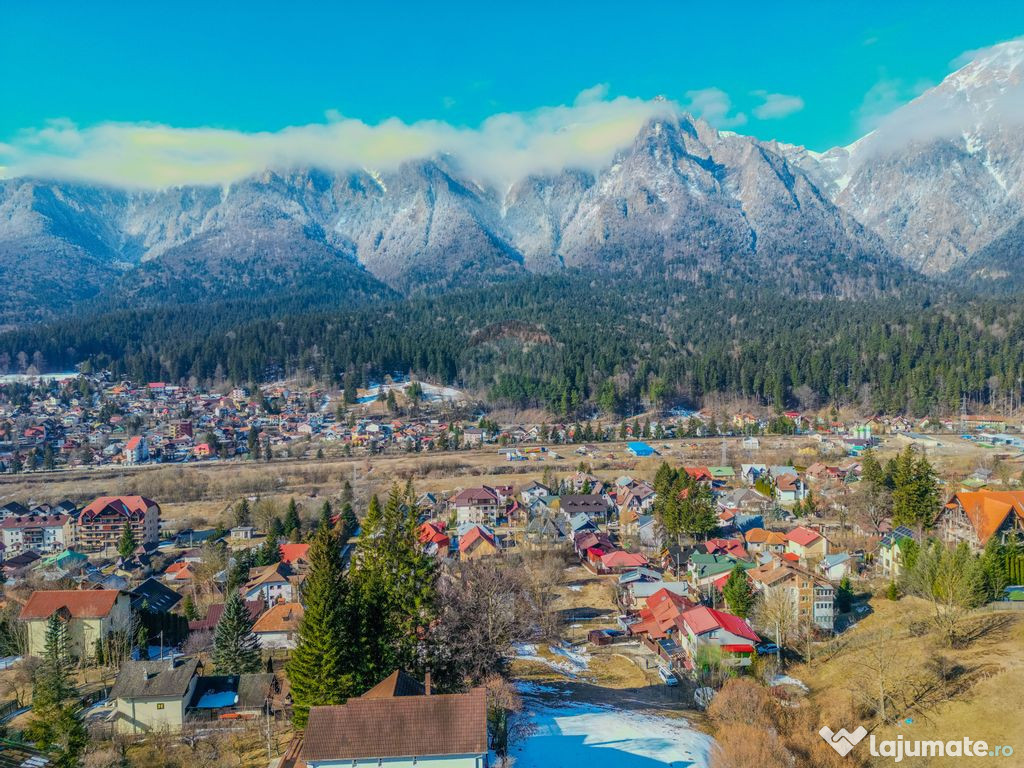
811,73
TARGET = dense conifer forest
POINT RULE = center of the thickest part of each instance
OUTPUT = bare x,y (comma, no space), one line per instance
574,342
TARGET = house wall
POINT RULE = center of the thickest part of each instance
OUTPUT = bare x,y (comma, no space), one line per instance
141,715
82,633
277,639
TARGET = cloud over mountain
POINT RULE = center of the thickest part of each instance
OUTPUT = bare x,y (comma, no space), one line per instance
504,148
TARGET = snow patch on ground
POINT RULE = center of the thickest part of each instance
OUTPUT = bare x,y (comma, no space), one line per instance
568,661
787,680
575,588
572,735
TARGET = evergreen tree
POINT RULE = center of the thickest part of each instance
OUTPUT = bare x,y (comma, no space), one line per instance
189,609
236,649
269,551
292,521
326,513
738,594
321,666
394,585
844,595
243,515
126,544
56,723
349,523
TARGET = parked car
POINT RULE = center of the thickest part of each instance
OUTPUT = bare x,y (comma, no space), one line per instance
764,649
667,676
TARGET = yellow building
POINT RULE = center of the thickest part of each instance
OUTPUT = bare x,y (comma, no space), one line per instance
90,615
153,695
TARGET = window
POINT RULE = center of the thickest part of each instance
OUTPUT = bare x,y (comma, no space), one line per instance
160,705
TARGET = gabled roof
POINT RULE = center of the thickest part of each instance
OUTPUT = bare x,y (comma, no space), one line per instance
702,619
155,679
283,617
987,511
157,596
398,683
474,534
291,553
80,604
399,726
803,536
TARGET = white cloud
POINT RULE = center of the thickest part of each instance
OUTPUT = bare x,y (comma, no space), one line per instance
505,147
775,106
715,106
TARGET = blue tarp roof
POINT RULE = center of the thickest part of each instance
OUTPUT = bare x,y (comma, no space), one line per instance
641,449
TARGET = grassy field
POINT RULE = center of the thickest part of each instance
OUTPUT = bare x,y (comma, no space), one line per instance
201,493
980,693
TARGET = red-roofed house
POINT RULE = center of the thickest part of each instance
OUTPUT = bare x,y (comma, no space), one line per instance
730,547
806,543
90,615
136,450
296,555
101,523
706,626
433,538
476,542
618,561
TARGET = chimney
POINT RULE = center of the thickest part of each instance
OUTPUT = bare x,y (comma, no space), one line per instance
426,683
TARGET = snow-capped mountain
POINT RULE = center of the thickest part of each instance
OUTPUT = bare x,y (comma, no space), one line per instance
941,177
937,186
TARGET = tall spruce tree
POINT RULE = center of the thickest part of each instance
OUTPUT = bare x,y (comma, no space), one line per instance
738,594
236,649
126,544
394,585
292,521
320,669
56,723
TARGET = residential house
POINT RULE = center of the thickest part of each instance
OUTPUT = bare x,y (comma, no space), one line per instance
154,597
591,504
759,540
40,533
703,626
790,488
975,517
271,583
892,551
837,566
619,561
807,544
90,615
533,491
136,450
812,596
477,506
547,526
279,626
400,724
475,542
433,539
101,523
153,695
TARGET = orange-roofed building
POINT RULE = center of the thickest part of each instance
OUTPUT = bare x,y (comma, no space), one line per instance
279,626
977,516
89,614
296,555
759,540
101,522
477,542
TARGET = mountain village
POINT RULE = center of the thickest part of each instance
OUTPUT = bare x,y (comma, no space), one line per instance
685,579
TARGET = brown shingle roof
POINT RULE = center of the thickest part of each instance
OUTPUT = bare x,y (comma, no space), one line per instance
404,726
81,604
283,617
398,683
